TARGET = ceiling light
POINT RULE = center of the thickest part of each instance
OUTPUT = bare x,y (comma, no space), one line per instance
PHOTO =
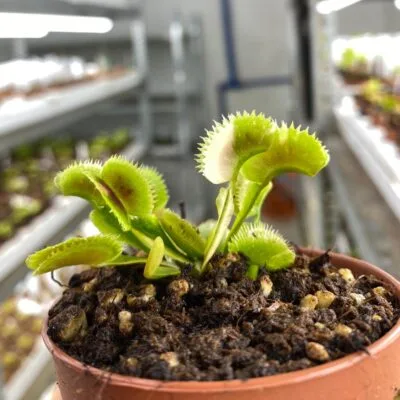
328,6
397,4
104,3
22,32
56,23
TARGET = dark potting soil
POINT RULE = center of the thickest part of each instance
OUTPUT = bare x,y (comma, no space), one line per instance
223,326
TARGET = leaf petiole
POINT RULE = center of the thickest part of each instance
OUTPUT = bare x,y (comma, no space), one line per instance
220,228
252,272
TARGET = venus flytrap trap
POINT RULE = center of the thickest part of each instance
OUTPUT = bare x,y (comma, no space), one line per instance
263,247
245,152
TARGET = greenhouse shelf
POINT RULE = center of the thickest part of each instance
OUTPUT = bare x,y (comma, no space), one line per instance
359,232
61,219
379,157
37,367
341,89
47,113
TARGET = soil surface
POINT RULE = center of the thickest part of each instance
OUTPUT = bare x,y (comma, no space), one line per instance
223,326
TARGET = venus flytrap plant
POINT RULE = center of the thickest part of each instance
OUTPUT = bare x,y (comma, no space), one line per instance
128,209
279,149
245,152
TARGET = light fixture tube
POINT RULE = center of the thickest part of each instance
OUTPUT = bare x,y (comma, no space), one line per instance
329,6
55,22
21,32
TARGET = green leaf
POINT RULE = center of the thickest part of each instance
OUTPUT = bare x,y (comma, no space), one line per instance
83,179
256,210
217,159
93,251
221,199
249,199
128,185
230,143
113,203
158,187
292,150
262,246
129,260
252,272
182,233
154,269
107,223
76,180
225,213
252,133
206,228
244,196
151,227
148,225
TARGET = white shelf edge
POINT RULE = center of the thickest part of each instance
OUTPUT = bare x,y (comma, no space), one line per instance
378,157
342,89
56,109
28,373
39,232
348,210
52,225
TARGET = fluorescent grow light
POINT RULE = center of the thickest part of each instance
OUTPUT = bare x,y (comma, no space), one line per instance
54,23
397,4
105,3
329,6
22,32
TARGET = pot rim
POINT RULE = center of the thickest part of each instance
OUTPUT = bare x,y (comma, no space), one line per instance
266,382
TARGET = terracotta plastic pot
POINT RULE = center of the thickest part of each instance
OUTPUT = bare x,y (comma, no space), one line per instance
358,376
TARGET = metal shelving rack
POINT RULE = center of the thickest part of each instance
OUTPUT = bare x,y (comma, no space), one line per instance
379,157
53,225
182,97
44,115
62,218
357,196
54,111
373,211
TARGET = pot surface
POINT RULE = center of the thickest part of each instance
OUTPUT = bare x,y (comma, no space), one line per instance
358,376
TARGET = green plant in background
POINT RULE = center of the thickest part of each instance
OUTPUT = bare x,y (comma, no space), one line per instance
24,207
16,184
119,139
63,149
245,153
388,103
352,60
6,229
99,146
348,58
372,90
23,152
108,143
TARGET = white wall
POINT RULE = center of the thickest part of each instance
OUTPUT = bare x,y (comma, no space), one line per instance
369,16
262,48
261,33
